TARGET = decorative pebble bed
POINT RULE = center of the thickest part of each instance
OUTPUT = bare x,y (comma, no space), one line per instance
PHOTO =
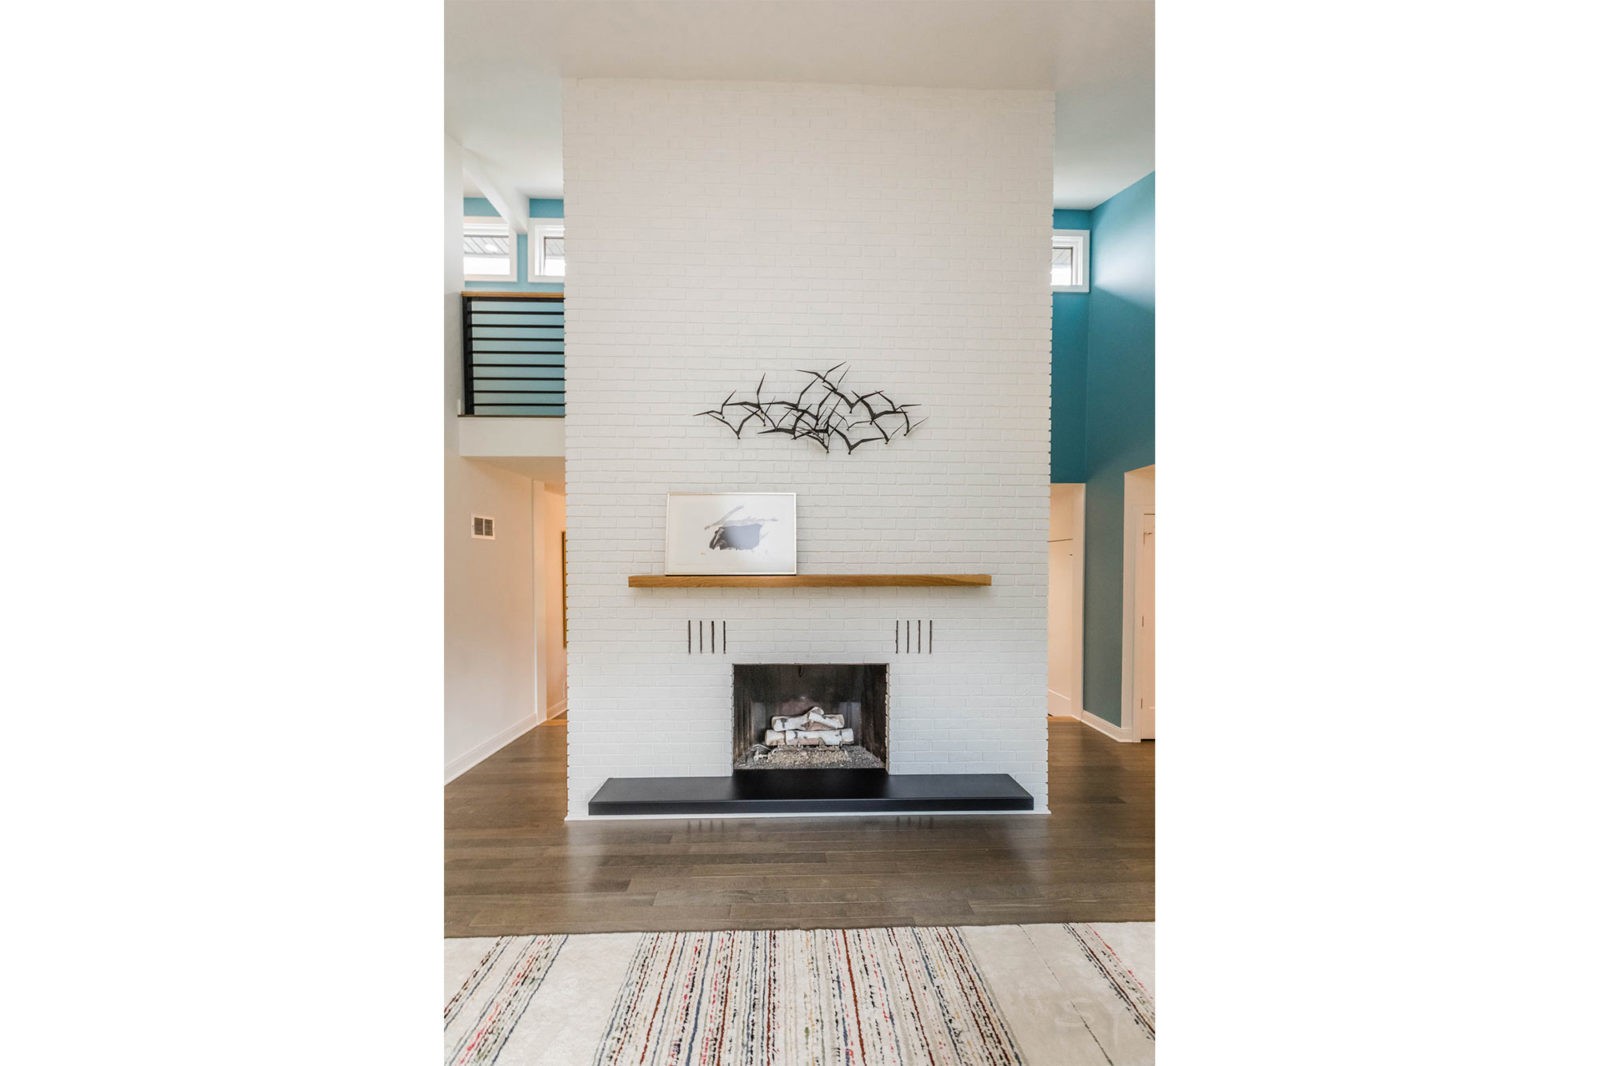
843,757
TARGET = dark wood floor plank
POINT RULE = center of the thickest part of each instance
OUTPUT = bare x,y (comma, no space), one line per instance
513,865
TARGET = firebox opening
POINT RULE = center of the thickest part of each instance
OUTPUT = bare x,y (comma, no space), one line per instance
794,716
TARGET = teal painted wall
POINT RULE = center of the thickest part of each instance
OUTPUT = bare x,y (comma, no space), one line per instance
1119,419
1069,365
478,207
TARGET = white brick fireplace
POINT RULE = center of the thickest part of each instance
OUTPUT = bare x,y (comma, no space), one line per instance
722,231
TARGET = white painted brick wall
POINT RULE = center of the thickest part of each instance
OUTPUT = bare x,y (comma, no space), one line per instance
720,231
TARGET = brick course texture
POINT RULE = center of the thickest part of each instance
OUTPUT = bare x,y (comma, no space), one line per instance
722,231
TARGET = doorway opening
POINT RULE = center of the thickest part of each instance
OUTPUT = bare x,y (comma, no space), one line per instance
1064,606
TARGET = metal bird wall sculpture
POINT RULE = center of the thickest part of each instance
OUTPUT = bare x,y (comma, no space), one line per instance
824,413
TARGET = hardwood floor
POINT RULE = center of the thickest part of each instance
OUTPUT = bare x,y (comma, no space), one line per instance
514,866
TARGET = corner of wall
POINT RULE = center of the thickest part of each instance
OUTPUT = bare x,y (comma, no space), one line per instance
1119,418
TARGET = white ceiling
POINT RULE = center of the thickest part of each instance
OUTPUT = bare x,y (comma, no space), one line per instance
504,61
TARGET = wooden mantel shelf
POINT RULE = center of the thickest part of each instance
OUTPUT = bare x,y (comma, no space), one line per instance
805,581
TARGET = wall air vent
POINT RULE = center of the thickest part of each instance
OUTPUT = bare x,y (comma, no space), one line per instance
703,636
482,527
909,637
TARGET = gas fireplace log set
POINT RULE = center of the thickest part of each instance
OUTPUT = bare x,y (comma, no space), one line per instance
815,728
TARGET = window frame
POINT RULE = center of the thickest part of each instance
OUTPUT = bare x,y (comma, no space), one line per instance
1078,239
538,230
468,221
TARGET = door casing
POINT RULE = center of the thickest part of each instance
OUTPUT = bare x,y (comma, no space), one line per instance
1138,499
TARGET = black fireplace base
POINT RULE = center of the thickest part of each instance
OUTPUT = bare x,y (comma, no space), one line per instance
810,792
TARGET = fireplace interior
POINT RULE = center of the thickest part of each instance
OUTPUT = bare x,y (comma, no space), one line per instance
803,716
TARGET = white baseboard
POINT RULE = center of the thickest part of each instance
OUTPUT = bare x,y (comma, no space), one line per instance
462,763
557,710
1115,732
1094,721
1059,704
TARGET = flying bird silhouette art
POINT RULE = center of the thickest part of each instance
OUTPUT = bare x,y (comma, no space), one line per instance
824,412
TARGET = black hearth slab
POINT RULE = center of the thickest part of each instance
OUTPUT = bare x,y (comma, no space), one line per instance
810,792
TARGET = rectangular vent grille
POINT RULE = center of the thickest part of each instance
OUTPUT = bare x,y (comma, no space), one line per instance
482,527
913,636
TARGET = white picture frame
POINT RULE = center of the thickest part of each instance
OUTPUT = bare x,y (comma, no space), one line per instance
713,533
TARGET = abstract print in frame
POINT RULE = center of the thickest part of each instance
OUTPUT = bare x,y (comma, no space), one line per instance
730,533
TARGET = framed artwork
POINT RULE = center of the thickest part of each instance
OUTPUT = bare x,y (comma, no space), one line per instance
730,533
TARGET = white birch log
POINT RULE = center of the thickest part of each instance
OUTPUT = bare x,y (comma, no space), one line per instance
815,718
808,738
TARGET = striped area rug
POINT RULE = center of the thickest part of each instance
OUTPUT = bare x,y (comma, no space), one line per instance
935,996
479,1018
1119,977
813,996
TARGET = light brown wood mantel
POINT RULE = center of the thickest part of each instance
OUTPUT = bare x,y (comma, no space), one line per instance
806,581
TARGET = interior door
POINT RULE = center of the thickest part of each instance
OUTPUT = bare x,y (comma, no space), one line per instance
1064,602
1064,631
1144,631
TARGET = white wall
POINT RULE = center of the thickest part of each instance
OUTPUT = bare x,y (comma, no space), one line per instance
500,438
488,584
722,231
